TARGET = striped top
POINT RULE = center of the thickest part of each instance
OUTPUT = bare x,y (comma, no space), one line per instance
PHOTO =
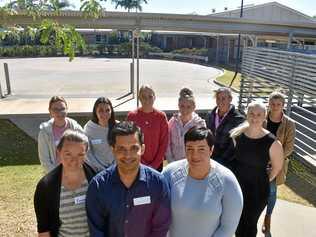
72,212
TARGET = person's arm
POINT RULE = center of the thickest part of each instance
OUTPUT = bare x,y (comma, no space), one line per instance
41,210
92,160
288,144
43,152
202,124
169,153
130,117
228,155
208,120
163,143
232,204
95,212
276,158
162,216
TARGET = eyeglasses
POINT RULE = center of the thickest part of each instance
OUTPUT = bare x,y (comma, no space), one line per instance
59,110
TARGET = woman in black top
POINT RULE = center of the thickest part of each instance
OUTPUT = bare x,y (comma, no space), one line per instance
255,147
72,176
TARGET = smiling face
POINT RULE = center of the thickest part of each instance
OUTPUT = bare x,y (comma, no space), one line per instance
147,98
256,116
223,101
58,111
186,107
128,151
276,106
72,155
198,154
103,112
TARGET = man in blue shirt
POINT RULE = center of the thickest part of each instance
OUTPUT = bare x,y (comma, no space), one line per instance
128,199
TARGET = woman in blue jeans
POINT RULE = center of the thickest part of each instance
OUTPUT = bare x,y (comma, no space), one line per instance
284,129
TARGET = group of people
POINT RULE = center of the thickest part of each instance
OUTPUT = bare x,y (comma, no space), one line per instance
109,179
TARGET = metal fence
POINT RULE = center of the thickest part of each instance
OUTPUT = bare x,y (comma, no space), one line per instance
265,70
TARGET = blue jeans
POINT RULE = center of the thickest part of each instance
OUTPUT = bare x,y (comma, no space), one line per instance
272,197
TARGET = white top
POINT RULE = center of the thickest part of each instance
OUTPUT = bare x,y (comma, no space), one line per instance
100,154
203,208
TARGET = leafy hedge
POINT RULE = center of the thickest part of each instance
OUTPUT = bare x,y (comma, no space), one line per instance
123,49
193,51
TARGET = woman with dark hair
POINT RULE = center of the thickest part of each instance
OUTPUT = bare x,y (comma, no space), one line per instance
59,199
52,130
97,129
206,199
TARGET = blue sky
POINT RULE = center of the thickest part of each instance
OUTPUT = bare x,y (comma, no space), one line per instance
205,6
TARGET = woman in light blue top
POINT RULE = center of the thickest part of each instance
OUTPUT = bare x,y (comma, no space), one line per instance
206,199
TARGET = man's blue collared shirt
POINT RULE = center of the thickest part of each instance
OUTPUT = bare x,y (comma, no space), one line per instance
143,210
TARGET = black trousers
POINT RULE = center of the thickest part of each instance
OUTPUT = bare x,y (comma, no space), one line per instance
254,204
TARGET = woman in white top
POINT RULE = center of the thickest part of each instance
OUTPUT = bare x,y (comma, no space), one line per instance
180,123
100,155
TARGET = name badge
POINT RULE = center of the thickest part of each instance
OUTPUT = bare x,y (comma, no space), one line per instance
141,201
96,141
80,199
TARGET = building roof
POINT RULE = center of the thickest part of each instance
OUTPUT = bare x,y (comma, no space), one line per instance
272,11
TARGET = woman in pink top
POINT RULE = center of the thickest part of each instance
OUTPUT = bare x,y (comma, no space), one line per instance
180,123
154,126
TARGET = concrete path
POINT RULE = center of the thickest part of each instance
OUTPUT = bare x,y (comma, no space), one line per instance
33,78
291,220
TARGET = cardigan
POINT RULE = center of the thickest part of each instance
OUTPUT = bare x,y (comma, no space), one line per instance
286,135
46,146
47,199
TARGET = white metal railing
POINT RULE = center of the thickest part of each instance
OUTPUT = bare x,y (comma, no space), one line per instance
265,70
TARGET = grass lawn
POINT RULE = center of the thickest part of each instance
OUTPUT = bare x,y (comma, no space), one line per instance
227,77
20,171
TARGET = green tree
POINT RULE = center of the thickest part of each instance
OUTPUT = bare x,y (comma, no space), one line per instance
130,4
56,5
92,8
63,37
32,7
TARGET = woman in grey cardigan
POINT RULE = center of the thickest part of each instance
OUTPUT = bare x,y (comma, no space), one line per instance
52,130
100,155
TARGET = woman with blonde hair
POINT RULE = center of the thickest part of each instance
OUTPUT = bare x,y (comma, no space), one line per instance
255,147
180,123
283,128
154,125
